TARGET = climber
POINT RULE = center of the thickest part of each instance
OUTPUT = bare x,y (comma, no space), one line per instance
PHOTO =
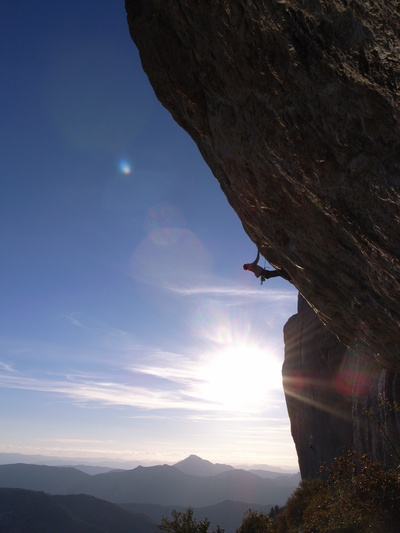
262,273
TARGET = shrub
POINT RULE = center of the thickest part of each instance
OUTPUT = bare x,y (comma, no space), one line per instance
185,523
358,495
291,519
255,522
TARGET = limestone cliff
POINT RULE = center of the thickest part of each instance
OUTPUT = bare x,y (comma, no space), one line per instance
294,105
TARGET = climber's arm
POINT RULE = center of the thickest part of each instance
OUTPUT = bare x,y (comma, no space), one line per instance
257,258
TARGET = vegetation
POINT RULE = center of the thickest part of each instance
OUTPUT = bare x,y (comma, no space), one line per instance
255,522
354,494
185,523
358,495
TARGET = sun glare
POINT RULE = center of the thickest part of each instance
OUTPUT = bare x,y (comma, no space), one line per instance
240,377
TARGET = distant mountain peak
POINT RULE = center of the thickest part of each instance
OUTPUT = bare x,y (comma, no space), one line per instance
194,459
196,466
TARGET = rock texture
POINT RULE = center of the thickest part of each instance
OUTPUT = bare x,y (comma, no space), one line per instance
320,415
337,399
294,105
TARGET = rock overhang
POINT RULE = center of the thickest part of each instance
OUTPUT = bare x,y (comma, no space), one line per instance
294,107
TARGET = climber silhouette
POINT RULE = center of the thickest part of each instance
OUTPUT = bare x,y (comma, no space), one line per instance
262,273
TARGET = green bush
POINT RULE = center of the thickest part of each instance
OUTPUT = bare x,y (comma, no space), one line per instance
357,495
291,519
255,522
185,523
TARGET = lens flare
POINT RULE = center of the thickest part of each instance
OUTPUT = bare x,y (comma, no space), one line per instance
163,224
125,167
171,258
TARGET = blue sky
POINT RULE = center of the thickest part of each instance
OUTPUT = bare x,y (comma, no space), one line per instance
128,328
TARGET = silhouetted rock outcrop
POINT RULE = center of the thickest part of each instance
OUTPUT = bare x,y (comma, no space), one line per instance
295,108
335,396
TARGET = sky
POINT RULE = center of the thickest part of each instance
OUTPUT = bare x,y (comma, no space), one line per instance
128,327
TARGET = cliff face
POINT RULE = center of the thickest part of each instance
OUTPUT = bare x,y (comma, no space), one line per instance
294,105
337,399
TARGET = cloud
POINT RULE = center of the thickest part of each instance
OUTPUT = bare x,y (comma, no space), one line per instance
104,393
73,319
169,366
272,295
6,367
166,382
77,441
118,371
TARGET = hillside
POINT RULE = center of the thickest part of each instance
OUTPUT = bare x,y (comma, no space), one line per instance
25,511
228,514
52,479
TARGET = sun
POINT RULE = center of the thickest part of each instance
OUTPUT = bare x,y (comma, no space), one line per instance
240,377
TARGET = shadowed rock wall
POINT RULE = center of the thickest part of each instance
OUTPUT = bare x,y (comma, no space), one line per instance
336,399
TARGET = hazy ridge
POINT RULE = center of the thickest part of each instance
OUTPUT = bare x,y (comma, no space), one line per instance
163,485
220,492
23,511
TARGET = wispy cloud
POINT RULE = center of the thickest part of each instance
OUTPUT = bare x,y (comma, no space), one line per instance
105,393
235,292
167,382
118,371
169,366
76,441
73,318
6,367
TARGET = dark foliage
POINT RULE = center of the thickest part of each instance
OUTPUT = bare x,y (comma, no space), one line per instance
357,495
185,523
255,522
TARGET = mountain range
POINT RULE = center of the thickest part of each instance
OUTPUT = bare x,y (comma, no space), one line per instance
101,465
162,484
220,492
